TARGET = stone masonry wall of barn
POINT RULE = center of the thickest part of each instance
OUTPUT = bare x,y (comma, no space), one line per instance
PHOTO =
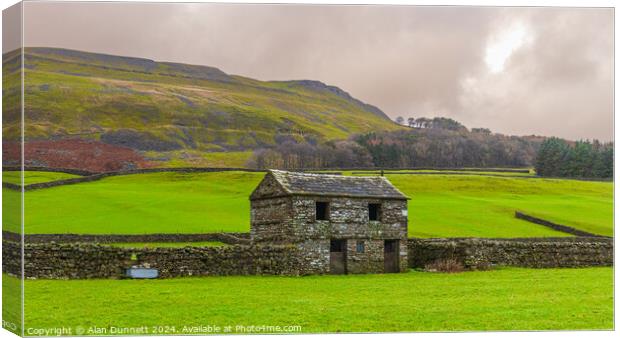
370,261
271,220
293,219
348,219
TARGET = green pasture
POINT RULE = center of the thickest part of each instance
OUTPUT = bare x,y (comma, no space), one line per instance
11,303
440,206
504,299
31,177
463,206
443,172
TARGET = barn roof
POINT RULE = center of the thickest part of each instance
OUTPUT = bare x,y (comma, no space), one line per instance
295,183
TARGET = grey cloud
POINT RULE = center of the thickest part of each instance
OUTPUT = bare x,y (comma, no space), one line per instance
559,84
410,61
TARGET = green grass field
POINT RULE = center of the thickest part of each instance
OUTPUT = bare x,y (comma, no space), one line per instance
505,299
31,177
461,206
11,303
441,205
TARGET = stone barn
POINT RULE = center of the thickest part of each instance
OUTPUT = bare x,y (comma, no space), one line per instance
341,224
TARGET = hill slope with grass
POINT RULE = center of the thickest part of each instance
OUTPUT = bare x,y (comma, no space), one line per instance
165,107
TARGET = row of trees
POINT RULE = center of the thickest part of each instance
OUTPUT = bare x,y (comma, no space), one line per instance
442,142
436,122
293,155
558,158
432,147
448,148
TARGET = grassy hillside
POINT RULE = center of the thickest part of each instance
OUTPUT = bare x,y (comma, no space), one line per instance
441,205
506,299
164,107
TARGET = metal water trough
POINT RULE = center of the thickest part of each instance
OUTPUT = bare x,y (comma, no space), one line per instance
142,273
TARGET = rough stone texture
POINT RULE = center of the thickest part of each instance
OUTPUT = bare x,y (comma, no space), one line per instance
224,237
89,260
475,253
65,261
370,261
283,210
12,258
314,256
219,261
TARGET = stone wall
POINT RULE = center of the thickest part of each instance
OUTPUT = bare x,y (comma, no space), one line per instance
475,253
554,226
65,261
292,219
221,261
271,220
369,261
348,219
89,260
315,255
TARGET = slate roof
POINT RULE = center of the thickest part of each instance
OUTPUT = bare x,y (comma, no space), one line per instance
295,183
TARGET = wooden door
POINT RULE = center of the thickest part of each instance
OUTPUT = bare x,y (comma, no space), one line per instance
338,257
390,256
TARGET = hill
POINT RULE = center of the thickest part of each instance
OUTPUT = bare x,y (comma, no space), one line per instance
162,107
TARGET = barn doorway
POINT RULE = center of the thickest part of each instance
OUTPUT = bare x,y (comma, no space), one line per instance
338,257
390,256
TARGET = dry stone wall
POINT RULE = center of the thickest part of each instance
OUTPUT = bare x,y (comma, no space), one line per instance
212,261
91,260
65,261
476,253
554,226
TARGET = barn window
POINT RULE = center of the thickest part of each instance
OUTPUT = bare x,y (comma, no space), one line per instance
322,211
374,211
360,246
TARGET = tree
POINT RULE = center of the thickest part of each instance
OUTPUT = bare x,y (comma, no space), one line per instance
411,122
583,159
551,155
485,131
400,120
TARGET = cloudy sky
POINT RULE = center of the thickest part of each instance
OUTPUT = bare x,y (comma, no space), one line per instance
545,71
